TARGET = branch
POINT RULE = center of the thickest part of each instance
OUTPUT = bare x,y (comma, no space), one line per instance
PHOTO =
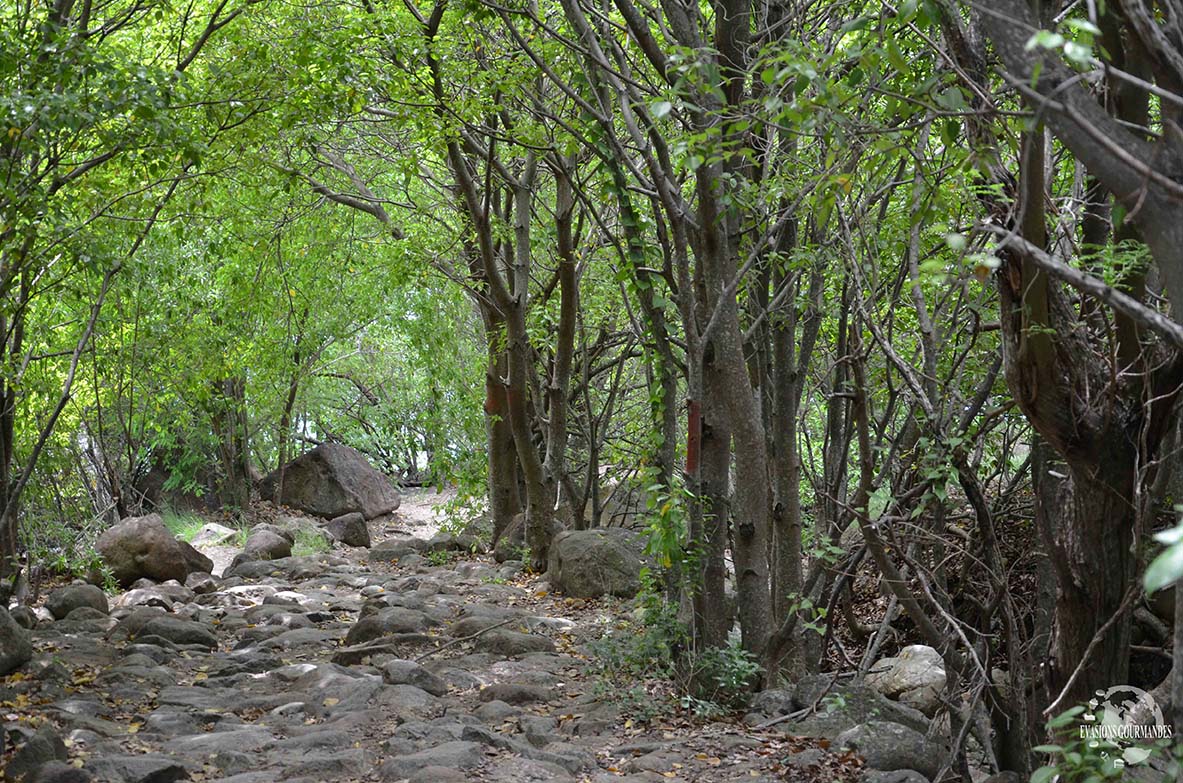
1087,284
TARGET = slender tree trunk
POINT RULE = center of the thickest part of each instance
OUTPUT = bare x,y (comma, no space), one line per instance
711,611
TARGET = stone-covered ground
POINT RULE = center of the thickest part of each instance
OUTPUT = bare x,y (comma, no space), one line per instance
362,665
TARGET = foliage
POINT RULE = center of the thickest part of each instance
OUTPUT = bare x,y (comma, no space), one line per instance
1078,760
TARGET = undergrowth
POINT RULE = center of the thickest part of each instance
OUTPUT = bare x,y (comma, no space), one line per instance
649,667
309,543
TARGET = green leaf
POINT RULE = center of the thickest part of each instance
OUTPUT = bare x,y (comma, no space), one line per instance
1045,39
1166,569
661,109
896,58
1170,537
1043,774
1048,749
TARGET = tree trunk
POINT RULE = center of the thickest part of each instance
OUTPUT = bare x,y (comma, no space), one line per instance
505,501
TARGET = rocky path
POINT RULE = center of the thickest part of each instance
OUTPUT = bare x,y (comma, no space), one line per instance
407,662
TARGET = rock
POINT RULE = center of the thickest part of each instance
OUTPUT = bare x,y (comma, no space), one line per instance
507,643
66,599
332,480
495,712
452,755
350,529
60,772
391,620
434,774
24,616
148,768
915,677
515,693
266,545
400,672
196,562
841,707
890,746
895,776
591,563
213,534
15,647
37,750
141,547
1004,777
453,542
395,548
179,631
201,583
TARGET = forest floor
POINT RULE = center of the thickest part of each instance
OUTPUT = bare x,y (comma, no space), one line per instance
463,670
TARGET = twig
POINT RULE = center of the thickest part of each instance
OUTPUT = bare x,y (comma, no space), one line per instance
469,638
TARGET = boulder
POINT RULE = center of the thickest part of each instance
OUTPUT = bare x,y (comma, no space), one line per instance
15,647
267,545
915,677
350,529
66,599
833,708
330,481
891,746
141,547
591,563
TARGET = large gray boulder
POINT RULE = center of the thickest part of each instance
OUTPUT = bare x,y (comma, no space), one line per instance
831,708
915,677
890,746
591,563
330,481
15,647
140,547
